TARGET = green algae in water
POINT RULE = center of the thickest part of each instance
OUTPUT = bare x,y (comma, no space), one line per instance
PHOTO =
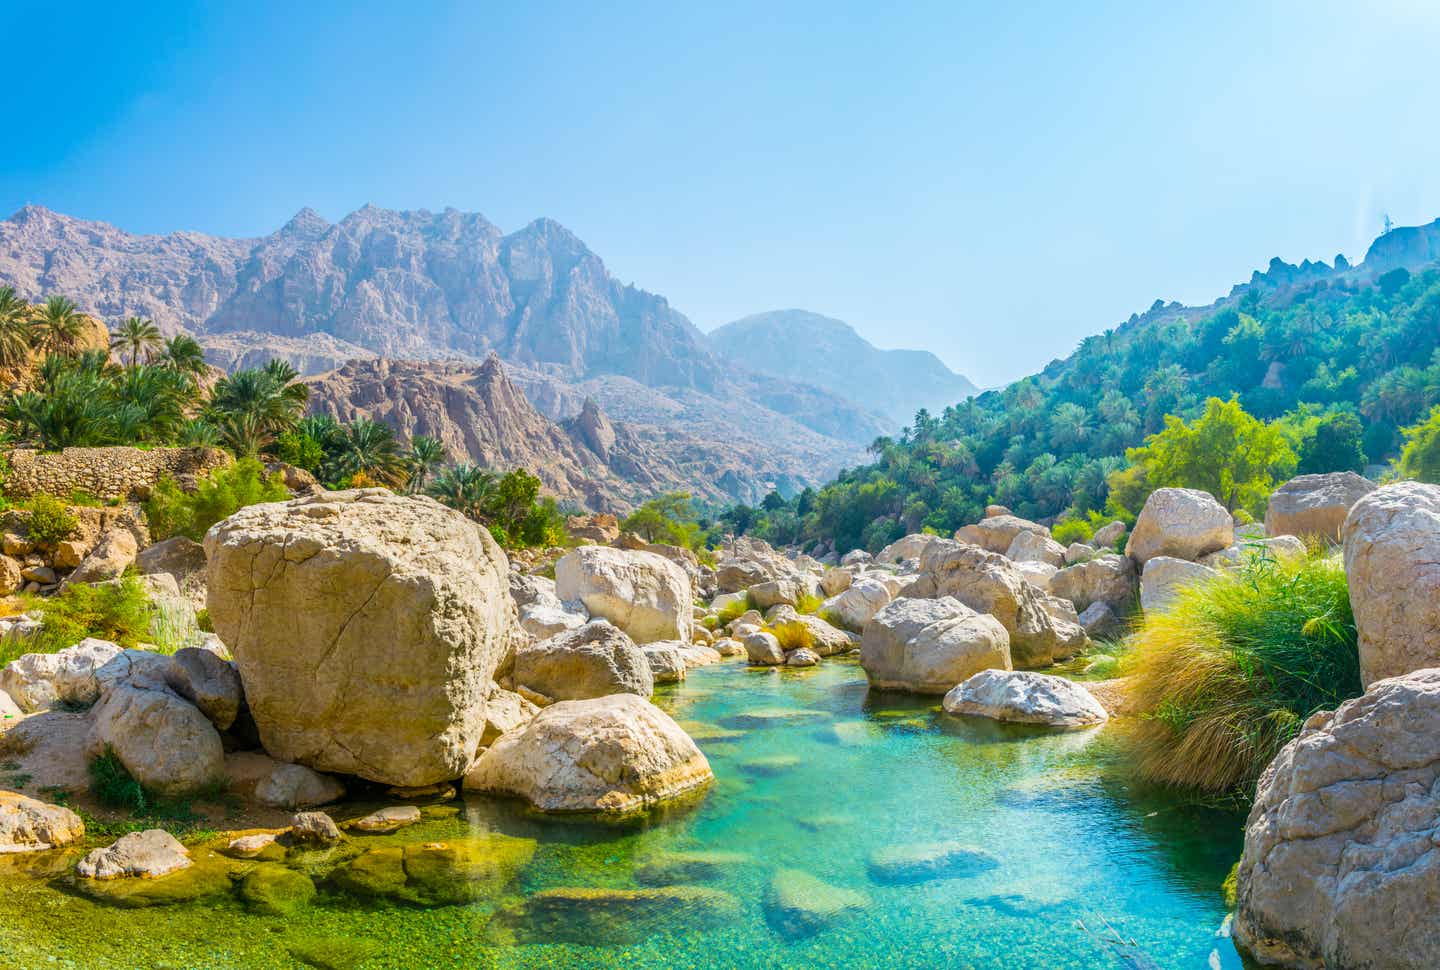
1072,840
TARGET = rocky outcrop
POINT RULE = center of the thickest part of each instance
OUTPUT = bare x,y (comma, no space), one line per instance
590,661
644,594
110,472
1315,505
930,645
989,583
345,608
1340,867
996,533
165,743
1108,579
1025,697
1392,565
1164,577
112,555
28,825
1036,547
611,754
35,681
1183,523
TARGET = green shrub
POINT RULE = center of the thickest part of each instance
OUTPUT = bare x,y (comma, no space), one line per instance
732,611
113,784
175,512
808,604
119,612
1227,673
1071,530
50,521
792,635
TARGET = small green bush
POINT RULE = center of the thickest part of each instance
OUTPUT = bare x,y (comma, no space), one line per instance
733,611
119,612
1071,530
174,512
50,521
792,635
113,784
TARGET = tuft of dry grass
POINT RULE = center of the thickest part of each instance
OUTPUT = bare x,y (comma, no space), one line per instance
1226,674
792,635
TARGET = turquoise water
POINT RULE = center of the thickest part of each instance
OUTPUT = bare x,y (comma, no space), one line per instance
815,774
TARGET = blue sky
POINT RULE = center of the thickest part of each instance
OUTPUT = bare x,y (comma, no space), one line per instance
988,184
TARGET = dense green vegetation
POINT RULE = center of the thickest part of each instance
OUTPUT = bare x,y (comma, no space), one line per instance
120,612
146,390
1226,674
671,519
1332,372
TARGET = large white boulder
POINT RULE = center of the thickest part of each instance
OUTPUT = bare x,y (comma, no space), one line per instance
589,661
1183,523
1165,576
1392,565
1025,697
854,607
642,593
609,754
366,628
543,620
1315,505
1036,547
1340,867
1108,579
35,681
929,645
164,742
910,547
989,583
996,533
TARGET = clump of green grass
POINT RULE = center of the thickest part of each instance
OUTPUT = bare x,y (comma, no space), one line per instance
113,784
808,604
1104,659
733,611
120,612
792,635
173,625
1225,676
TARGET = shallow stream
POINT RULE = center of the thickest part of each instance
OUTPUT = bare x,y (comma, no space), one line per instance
815,774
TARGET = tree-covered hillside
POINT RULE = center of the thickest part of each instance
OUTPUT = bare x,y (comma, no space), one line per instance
1314,356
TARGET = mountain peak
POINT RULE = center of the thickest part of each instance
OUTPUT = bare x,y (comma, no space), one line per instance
307,222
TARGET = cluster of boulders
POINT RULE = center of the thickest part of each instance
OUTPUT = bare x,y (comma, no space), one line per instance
102,544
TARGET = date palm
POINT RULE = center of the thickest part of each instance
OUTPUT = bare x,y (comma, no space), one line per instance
464,487
182,353
15,330
426,455
58,325
136,336
369,448
267,399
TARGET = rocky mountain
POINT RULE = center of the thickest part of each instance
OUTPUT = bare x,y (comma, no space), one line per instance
481,416
804,346
449,287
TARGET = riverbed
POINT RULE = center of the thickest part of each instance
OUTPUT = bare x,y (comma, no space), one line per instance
1082,869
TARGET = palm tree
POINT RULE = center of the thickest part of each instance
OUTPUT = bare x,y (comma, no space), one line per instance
135,336
369,448
15,331
464,487
426,455
58,325
268,399
184,354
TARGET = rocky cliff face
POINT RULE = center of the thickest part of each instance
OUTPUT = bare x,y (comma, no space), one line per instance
481,416
803,346
449,286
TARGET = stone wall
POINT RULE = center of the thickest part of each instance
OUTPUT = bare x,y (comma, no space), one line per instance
107,473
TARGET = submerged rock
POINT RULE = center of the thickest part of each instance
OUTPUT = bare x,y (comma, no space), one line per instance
273,890
798,904
672,868
314,828
611,754
449,873
1026,697
611,917
924,861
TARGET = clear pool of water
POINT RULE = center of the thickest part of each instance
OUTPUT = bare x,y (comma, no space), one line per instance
814,773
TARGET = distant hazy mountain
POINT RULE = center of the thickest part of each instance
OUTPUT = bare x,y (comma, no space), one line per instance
451,287
805,346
